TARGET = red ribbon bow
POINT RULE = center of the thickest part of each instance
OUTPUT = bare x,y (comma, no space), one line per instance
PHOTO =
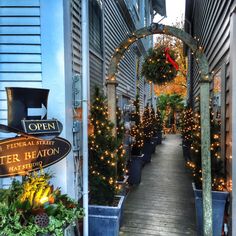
169,59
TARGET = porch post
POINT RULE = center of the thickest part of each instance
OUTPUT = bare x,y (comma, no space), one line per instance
111,94
206,158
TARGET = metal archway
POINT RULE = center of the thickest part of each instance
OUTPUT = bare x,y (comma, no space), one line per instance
204,102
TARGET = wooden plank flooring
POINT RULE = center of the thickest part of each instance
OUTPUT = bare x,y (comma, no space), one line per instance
163,203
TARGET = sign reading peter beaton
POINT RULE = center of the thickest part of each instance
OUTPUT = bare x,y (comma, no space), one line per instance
21,154
38,145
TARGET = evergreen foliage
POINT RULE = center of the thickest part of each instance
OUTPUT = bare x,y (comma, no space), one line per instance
147,124
102,154
187,125
156,121
217,171
137,130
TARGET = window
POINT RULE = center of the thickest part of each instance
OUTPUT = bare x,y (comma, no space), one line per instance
216,95
95,26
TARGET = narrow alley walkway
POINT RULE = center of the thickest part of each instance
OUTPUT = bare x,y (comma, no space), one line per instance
163,204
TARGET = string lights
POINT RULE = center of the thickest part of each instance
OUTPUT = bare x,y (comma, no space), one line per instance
192,133
104,154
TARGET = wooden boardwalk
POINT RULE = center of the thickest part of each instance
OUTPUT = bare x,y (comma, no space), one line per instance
163,203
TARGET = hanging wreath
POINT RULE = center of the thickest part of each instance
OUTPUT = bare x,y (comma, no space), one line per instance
159,65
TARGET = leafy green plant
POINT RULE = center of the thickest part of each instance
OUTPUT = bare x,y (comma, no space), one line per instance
33,207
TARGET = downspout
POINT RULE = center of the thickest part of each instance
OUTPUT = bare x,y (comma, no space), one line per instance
85,86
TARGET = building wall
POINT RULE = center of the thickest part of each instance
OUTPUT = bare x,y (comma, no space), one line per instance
20,50
35,53
115,31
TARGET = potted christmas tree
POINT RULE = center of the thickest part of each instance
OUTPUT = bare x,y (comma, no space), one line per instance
136,132
105,207
156,124
159,126
186,130
219,195
149,146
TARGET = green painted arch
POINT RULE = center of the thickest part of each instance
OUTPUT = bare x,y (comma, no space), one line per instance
158,29
203,65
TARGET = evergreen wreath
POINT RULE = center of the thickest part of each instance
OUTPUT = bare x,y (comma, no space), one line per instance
159,65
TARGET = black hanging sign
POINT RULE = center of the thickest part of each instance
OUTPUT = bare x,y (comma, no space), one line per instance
42,126
21,154
26,104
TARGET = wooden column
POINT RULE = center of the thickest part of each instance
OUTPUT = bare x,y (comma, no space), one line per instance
111,94
206,158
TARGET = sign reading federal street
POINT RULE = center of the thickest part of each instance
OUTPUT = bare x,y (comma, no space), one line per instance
21,154
41,126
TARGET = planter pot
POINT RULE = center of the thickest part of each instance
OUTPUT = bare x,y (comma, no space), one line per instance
105,220
155,140
148,149
186,152
122,209
135,169
218,206
159,137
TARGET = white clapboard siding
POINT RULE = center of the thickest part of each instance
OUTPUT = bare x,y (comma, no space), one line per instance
20,48
76,36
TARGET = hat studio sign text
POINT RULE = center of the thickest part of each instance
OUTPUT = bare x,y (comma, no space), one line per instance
21,154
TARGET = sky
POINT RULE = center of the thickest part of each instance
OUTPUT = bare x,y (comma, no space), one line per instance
174,10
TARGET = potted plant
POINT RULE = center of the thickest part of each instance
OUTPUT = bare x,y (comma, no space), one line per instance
156,122
186,131
34,207
148,134
104,206
219,193
136,161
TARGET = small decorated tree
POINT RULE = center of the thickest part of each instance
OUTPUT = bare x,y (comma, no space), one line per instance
137,130
156,121
217,173
187,126
147,124
102,154
159,65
